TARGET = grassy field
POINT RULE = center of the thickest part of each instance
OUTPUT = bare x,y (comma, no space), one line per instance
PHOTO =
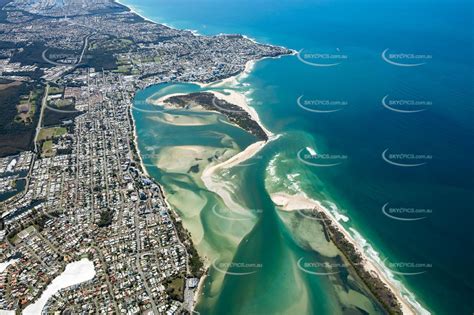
55,90
47,149
175,288
50,133
61,102
123,69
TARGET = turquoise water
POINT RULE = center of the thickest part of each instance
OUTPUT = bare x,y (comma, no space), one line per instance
270,242
361,130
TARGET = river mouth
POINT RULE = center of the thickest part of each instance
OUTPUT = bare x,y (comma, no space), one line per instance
214,175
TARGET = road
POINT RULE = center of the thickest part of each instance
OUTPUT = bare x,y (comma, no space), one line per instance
40,121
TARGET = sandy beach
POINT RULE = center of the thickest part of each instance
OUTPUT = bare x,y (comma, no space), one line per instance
179,159
284,201
217,186
135,141
240,100
288,202
161,100
200,285
234,80
134,10
232,97
182,120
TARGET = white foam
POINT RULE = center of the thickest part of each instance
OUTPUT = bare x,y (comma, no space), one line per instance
336,212
138,11
272,167
294,183
253,40
371,254
366,249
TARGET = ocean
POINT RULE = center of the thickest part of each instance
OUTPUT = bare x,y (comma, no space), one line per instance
375,120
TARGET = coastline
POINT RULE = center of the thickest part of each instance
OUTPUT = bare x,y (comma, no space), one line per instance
135,141
287,202
240,100
134,10
407,306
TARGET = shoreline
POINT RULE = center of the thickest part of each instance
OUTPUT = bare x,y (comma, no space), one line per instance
407,305
240,157
233,97
135,140
200,286
240,100
287,202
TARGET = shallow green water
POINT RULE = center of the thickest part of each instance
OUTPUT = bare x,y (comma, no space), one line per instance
262,260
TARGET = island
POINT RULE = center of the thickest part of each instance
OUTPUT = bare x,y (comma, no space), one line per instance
72,183
208,101
69,71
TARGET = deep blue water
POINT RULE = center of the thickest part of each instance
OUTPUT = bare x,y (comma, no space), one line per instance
364,128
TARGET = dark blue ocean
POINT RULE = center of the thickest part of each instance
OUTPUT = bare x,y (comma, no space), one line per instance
383,91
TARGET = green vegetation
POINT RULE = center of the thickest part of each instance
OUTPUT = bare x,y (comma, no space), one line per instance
106,217
55,90
233,112
123,69
123,61
195,261
51,133
175,288
15,236
63,102
41,220
115,44
26,108
47,149
194,169
147,59
383,294
67,111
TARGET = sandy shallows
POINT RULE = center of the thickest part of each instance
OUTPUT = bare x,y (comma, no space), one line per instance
189,159
184,120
